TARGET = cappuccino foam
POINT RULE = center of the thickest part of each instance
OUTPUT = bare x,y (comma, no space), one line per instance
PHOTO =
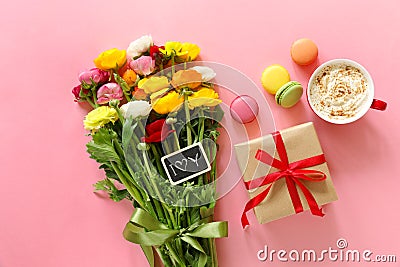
339,91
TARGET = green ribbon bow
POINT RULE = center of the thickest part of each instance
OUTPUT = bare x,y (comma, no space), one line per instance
145,230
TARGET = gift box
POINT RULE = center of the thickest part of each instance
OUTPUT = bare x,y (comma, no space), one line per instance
285,173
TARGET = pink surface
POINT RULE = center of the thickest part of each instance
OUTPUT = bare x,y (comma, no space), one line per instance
49,215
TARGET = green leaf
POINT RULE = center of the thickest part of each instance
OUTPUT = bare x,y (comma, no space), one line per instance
122,82
115,194
217,114
110,173
127,132
193,242
101,147
195,215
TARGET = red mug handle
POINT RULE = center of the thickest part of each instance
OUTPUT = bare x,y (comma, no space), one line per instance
379,104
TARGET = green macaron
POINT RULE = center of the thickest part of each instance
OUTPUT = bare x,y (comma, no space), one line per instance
289,94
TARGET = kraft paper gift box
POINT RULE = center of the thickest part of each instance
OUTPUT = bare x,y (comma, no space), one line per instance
301,144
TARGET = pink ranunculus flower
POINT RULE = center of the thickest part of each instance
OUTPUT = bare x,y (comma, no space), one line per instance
108,92
94,75
143,65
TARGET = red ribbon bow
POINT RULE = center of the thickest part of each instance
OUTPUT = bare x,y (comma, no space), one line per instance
292,172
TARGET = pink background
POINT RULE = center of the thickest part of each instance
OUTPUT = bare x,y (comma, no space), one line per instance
49,214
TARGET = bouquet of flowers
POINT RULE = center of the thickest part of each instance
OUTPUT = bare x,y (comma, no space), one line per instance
150,102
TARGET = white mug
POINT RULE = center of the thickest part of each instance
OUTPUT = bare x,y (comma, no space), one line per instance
370,102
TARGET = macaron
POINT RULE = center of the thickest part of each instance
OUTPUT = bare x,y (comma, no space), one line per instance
304,51
244,109
273,77
289,94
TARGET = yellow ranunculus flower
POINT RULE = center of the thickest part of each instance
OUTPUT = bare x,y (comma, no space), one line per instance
191,51
154,84
158,94
168,103
111,59
204,97
141,82
99,117
186,78
172,47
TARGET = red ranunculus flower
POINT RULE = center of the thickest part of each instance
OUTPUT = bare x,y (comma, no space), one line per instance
155,50
157,131
76,92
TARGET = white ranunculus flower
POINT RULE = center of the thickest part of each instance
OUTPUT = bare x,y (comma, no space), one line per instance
139,46
135,109
207,73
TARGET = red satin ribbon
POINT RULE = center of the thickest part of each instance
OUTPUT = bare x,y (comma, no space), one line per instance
292,172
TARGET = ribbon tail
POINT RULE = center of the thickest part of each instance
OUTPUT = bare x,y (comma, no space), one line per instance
312,203
294,195
148,252
253,203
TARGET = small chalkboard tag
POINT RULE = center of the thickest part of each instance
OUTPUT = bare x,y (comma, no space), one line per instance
185,164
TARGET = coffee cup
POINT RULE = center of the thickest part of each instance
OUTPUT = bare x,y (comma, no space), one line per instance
341,91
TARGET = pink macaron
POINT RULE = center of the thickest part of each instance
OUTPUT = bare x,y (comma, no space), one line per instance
244,109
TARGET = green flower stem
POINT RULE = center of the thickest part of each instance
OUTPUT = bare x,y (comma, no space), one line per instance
167,148
188,211
94,95
214,164
90,102
214,253
121,118
157,159
187,114
202,178
148,204
125,87
142,193
171,220
141,126
153,202
178,147
201,124
174,255
172,63
132,190
164,258
127,96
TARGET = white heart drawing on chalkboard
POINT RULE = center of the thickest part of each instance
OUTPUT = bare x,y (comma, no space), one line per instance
181,165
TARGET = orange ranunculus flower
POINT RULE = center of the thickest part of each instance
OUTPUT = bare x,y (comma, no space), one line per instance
111,59
169,103
204,97
186,78
130,77
154,84
139,94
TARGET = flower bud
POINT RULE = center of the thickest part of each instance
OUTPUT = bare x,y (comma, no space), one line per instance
171,121
114,103
143,147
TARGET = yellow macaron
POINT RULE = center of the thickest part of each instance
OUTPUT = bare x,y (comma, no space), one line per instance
273,77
